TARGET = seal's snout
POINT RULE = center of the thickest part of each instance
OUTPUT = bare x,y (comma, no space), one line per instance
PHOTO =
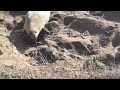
33,36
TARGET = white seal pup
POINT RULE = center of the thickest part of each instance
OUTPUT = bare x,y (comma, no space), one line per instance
35,21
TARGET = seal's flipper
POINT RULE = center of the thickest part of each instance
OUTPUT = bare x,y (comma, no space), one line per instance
46,30
19,31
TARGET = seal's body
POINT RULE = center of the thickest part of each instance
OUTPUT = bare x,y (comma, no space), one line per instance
34,22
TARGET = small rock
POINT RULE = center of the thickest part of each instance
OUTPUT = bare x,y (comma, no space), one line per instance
117,58
1,52
86,33
58,16
1,20
1,49
117,55
54,24
68,20
60,21
53,19
10,26
49,54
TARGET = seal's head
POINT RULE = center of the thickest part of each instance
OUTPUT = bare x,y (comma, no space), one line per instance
33,34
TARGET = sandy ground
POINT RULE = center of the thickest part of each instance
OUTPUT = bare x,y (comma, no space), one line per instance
82,44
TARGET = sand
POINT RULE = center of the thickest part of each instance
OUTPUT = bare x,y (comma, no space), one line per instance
79,42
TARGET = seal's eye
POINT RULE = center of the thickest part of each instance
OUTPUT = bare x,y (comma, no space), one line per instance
33,31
